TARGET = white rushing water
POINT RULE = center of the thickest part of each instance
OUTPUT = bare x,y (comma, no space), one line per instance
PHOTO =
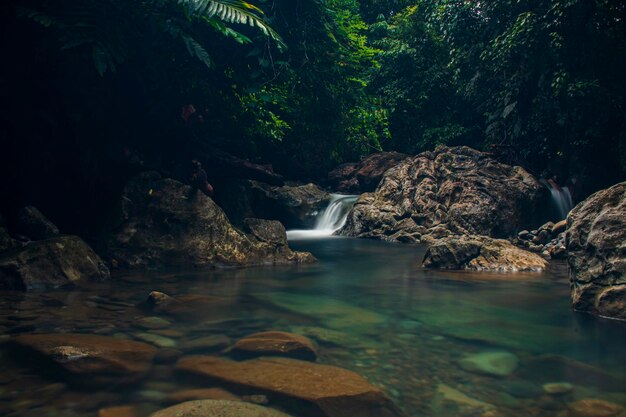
331,219
562,200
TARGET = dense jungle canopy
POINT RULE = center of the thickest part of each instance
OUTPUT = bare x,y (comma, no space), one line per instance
95,90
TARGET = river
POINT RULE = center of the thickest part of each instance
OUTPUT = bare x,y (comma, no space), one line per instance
370,308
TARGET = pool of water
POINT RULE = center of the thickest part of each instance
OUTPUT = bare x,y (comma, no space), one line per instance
370,308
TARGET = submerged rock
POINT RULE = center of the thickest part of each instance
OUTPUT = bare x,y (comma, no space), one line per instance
88,359
363,176
490,363
590,407
596,246
218,408
481,253
61,261
322,390
201,394
34,225
450,191
275,343
161,225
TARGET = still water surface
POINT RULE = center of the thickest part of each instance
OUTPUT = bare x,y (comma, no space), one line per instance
370,307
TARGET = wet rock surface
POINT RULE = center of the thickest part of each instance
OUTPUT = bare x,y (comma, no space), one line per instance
275,343
322,390
218,408
34,225
89,359
548,240
294,205
481,253
596,246
160,224
363,176
62,261
450,191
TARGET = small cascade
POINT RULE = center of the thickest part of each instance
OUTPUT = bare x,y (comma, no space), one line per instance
330,219
561,198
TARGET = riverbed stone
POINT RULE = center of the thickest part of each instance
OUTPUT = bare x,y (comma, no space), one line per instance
119,411
590,407
596,247
152,323
316,390
160,224
276,343
481,253
218,408
205,344
335,313
365,175
490,363
201,394
449,191
62,261
557,388
89,359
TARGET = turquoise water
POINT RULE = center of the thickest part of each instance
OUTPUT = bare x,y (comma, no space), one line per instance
370,308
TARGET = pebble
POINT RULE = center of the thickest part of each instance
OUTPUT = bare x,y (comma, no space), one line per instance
557,388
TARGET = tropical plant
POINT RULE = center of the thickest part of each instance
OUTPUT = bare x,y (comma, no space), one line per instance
108,28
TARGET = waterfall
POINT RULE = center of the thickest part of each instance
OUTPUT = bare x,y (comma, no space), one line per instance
561,198
331,219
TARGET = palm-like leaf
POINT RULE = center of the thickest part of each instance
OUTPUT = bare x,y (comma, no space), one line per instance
232,11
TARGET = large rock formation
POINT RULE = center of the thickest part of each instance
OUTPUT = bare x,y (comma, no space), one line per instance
87,359
160,224
450,191
481,253
51,263
311,389
596,246
294,205
34,225
363,176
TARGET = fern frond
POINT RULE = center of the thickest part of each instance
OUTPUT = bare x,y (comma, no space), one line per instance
232,11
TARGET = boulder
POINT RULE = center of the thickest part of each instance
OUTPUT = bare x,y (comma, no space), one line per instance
310,389
363,176
276,343
481,253
218,408
160,225
34,225
596,253
294,205
450,191
62,261
184,306
86,359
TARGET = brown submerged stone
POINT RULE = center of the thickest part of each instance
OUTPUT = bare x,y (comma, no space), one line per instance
201,394
590,407
218,408
120,411
311,389
276,343
89,359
